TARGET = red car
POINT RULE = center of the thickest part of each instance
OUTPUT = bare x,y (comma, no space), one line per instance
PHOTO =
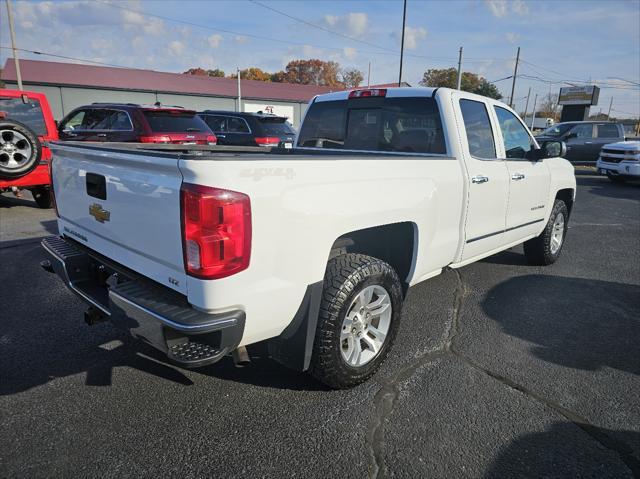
129,122
26,125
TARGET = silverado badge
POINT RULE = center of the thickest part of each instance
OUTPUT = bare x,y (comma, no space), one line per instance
99,213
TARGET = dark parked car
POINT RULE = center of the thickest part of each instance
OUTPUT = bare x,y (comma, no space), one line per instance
129,122
584,139
249,129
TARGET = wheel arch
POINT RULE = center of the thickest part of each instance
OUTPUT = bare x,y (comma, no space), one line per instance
393,243
568,196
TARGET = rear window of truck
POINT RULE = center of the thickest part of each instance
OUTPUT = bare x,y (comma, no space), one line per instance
29,113
175,122
411,125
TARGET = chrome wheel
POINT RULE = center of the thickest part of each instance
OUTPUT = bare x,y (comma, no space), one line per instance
365,326
15,150
557,234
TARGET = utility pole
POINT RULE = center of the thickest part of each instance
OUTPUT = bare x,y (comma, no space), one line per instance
515,73
526,106
533,114
369,76
239,91
459,68
404,20
13,44
609,112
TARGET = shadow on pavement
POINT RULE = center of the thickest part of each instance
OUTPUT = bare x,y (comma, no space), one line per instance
8,200
578,323
560,452
508,258
604,187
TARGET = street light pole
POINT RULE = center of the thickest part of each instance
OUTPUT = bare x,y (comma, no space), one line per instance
404,20
13,45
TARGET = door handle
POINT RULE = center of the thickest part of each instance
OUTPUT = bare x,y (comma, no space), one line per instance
588,142
101,135
517,176
479,179
220,136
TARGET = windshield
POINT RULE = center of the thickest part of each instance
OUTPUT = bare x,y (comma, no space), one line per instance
557,130
277,127
411,125
175,122
29,113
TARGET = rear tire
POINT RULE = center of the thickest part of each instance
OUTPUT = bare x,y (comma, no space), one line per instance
359,318
546,248
20,149
42,196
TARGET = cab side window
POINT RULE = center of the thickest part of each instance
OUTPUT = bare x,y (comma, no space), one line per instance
582,132
517,142
74,122
478,127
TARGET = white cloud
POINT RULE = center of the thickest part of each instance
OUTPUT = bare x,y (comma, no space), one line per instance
520,7
501,8
349,53
214,40
136,21
412,36
354,24
512,37
176,47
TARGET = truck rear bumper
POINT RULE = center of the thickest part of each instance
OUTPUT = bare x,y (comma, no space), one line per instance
149,311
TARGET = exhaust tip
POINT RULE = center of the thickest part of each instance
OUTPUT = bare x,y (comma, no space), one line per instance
241,357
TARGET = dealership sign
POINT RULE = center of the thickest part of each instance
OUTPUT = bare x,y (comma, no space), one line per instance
579,95
279,110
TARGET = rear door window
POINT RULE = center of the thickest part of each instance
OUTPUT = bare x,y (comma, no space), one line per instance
175,121
411,125
237,125
218,124
608,130
119,121
29,113
478,127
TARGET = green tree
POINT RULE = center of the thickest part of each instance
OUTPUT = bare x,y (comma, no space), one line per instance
204,73
471,82
216,73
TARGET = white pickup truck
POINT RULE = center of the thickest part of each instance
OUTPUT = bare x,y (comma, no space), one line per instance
201,253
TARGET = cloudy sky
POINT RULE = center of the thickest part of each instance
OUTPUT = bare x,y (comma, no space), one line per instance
561,41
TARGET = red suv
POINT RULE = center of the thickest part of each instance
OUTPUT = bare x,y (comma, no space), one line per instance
26,125
129,122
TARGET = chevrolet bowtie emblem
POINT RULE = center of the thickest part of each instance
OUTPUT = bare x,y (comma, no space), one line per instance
99,213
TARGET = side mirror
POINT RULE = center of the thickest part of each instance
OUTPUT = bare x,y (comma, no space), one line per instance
57,123
551,149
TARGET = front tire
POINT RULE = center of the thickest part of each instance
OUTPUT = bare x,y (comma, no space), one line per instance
359,318
616,178
546,248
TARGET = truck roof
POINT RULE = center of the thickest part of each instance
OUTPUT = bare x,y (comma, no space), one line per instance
391,92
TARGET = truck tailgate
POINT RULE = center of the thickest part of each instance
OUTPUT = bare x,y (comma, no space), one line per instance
124,205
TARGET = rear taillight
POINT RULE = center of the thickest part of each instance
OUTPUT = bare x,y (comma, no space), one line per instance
267,141
212,140
216,231
373,92
154,139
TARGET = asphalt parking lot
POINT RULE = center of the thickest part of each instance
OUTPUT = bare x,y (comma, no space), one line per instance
499,370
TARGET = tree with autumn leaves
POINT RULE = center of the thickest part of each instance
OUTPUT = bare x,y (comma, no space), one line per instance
303,72
471,82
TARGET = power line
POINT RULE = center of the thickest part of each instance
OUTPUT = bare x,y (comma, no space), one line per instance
278,40
319,27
